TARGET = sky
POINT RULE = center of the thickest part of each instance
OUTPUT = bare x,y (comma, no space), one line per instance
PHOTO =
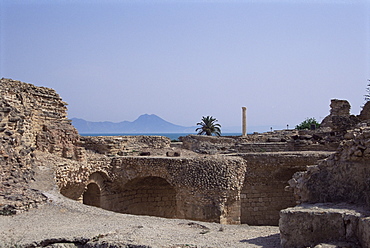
184,59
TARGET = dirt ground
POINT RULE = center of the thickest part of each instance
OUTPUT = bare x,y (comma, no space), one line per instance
65,223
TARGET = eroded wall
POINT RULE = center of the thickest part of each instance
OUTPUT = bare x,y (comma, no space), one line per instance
123,145
263,194
199,188
337,186
31,119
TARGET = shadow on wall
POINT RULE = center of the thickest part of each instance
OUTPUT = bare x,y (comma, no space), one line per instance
152,196
149,196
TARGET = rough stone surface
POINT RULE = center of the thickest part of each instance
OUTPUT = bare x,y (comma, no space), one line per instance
339,119
123,145
206,188
342,178
277,141
309,225
31,118
217,179
365,112
267,175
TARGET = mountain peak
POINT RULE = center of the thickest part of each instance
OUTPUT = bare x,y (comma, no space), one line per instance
146,123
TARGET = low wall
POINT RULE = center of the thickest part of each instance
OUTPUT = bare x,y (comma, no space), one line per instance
123,145
277,141
308,225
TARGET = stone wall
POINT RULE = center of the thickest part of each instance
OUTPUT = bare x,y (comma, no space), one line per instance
277,141
246,188
207,144
343,178
339,119
337,225
31,118
263,194
199,188
236,144
123,145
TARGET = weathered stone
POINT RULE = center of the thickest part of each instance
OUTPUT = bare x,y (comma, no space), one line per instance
141,185
343,177
266,177
365,112
310,225
340,119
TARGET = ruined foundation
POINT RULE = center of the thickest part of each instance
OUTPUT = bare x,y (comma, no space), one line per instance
230,180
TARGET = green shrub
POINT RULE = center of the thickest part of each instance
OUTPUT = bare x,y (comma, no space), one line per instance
306,124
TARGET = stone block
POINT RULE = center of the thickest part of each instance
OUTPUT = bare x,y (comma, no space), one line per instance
310,224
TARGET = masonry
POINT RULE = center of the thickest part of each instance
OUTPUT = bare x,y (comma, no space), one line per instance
192,188
263,194
230,180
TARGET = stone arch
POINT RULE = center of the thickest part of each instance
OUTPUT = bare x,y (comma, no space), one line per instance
150,195
95,190
92,195
98,178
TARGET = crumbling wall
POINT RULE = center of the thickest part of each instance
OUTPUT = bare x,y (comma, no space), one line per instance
277,141
31,118
123,145
342,178
207,144
309,225
339,120
236,144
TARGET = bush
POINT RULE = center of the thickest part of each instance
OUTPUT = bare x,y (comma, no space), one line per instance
306,124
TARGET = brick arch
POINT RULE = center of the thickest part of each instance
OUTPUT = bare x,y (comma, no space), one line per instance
150,195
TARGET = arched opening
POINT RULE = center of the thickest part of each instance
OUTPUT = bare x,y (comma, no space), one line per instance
92,195
149,196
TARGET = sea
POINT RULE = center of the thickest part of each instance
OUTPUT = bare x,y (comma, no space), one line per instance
172,136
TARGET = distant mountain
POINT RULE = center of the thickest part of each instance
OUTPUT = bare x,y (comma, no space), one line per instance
144,124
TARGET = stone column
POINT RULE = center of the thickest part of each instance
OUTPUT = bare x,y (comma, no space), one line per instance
244,118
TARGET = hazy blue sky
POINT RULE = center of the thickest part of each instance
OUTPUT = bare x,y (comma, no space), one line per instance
115,60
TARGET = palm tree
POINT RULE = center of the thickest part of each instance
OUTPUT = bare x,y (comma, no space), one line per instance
208,126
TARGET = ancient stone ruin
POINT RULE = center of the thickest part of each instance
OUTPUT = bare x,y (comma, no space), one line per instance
254,179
